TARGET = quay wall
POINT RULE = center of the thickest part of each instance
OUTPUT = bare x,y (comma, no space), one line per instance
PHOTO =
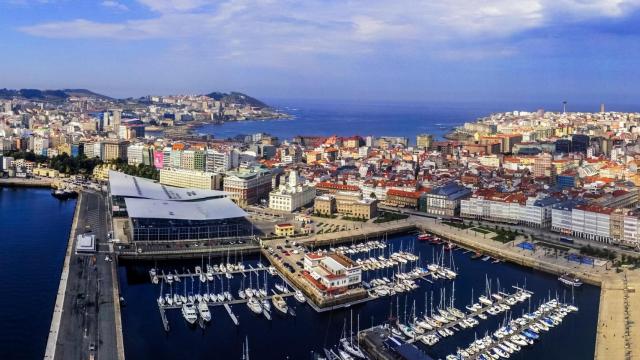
58,308
19,182
368,232
187,254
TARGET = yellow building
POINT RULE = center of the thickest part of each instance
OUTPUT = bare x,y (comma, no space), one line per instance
101,172
284,230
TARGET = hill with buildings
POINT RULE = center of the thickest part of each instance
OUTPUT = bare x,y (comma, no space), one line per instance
237,98
48,95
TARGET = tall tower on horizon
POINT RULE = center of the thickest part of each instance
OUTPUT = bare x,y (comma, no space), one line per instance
564,106
602,108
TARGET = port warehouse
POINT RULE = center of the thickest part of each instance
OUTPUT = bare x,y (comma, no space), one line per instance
157,212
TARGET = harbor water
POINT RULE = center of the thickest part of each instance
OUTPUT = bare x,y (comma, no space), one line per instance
296,337
35,229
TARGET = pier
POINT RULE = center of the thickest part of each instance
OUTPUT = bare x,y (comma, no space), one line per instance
452,324
226,304
218,274
518,330
231,314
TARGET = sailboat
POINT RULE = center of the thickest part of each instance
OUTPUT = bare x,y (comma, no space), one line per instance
254,305
203,310
160,298
189,313
348,345
298,295
245,349
280,304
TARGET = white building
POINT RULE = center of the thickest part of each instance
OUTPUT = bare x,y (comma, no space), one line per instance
291,195
221,160
40,145
136,154
631,230
190,179
592,222
332,273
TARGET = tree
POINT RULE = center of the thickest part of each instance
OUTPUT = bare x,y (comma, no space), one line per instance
373,195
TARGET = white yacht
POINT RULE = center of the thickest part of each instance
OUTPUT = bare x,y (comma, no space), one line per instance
189,313
254,305
298,295
203,310
280,304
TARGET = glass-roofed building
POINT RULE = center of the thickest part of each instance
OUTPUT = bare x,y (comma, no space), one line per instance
158,212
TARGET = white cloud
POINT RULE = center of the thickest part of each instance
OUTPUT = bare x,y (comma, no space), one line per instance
283,28
114,5
168,6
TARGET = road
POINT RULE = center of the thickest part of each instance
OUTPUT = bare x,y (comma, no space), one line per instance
88,324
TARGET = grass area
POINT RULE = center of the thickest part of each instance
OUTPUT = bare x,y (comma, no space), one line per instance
457,225
389,216
547,245
481,230
353,218
325,216
597,252
504,236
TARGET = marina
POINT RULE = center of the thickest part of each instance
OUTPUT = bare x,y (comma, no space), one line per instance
313,330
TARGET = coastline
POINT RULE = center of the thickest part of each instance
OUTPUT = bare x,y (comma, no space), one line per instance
190,129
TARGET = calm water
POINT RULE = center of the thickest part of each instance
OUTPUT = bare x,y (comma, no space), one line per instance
33,238
323,117
295,337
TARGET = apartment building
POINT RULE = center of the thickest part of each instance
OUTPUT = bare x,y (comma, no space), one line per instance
221,160
190,179
114,149
247,186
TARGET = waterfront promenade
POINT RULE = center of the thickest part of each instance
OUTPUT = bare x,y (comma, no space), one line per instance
618,334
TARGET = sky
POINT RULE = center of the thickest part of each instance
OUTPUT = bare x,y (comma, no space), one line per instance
400,50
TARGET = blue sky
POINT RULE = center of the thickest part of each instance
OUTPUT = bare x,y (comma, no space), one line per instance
456,50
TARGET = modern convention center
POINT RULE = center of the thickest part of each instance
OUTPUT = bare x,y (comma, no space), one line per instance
157,212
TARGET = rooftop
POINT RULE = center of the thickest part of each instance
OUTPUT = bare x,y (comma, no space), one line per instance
121,184
211,209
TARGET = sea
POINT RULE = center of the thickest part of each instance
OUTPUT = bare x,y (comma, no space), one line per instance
378,118
34,229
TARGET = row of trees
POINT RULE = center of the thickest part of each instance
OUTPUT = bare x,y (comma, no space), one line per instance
83,165
141,170
63,163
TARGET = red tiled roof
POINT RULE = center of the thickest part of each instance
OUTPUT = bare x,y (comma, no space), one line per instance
409,194
595,208
333,186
